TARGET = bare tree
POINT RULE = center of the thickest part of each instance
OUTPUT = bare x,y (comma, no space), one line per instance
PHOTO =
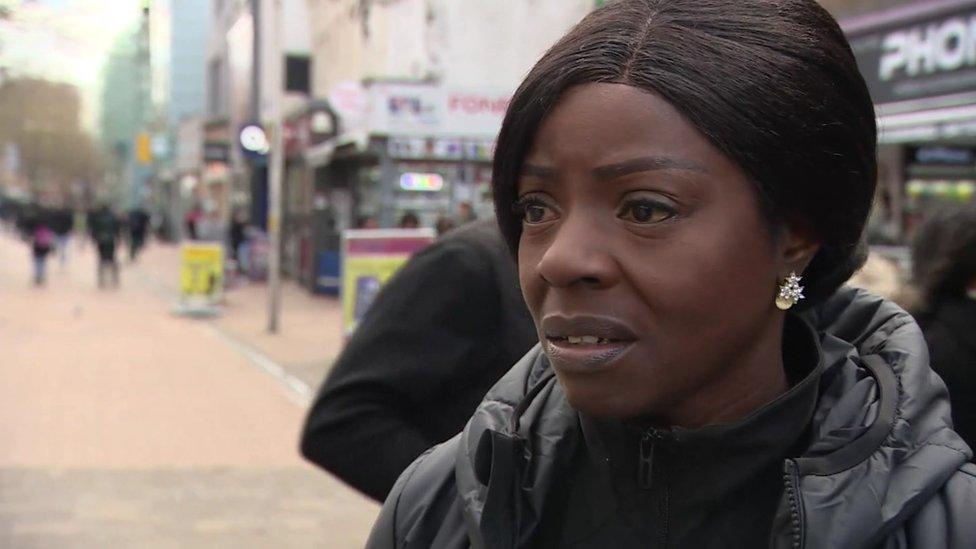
42,119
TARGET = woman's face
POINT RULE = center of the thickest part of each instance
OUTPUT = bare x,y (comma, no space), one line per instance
645,261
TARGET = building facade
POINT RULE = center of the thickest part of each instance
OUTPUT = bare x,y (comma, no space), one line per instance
919,61
418,89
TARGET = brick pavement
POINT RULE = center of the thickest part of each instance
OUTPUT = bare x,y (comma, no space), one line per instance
125,426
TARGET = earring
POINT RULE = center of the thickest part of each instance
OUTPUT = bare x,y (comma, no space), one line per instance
790,292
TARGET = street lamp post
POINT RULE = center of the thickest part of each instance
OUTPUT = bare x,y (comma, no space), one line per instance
275,167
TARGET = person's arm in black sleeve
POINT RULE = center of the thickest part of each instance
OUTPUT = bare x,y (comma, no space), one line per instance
413,346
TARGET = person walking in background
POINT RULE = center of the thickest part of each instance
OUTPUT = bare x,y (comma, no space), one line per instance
62,222
138,225
42,242
192,221
80,226
944,272
466,213
440,333
409,220
105,228
444,225
238,235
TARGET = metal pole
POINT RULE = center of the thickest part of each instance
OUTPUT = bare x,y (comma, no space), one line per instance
276,166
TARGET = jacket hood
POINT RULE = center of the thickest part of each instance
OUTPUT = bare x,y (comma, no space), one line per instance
881,438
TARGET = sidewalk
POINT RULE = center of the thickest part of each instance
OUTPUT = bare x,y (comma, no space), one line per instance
123,425
310,330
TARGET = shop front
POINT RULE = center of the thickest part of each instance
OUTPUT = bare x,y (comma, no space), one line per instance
210,200
920,65
401,149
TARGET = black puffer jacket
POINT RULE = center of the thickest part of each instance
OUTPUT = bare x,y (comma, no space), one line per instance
883,468
950,330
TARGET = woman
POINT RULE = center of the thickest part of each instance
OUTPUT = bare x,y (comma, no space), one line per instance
685,184
944,267
42,241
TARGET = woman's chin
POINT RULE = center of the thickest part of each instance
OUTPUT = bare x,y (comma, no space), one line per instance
603,406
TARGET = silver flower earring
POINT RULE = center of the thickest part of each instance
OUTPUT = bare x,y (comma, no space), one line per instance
790,292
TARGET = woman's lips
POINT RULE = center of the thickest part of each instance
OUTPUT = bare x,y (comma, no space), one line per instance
582,358
584,343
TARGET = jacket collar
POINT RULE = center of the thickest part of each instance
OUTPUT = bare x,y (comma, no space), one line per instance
706,464
880,441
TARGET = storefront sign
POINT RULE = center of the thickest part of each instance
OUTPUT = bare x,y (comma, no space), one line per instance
216,152
369,258
923,58
956,191
402,109
942,156
440,148
430,182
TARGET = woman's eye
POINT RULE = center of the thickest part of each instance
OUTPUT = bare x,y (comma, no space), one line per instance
644,211
534,211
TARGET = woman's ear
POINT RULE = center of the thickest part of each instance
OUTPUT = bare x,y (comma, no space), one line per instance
797,245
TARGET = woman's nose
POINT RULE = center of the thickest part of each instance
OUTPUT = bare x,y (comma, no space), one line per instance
579,254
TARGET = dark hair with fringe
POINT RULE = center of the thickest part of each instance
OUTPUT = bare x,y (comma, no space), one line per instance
771,83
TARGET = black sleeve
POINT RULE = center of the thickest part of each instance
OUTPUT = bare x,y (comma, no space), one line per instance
957,367
415,343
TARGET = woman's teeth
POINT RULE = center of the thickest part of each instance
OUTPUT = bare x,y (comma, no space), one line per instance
586,340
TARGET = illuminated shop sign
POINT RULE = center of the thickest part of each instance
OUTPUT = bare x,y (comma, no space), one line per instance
942,156
429,182
919,58
961,191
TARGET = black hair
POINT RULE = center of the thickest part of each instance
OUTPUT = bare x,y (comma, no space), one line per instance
409,217
773,84
944,255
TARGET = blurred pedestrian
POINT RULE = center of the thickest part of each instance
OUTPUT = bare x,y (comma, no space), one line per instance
466,213
192,221
441,332
945,276
80,227
444,224
238,235
702,378
367,222
138,225
62,222
105,228
42,242
27,218
409,220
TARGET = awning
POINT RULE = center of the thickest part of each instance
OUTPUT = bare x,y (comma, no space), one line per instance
945,124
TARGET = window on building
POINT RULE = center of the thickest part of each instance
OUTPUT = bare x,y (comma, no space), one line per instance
215,87
298,73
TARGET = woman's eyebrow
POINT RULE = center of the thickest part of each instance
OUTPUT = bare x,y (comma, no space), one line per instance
646,164
610,171
541,172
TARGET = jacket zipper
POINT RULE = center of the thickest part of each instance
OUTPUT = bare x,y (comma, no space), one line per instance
645,465
645,474
791,480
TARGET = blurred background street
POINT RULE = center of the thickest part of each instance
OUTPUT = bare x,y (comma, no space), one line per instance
200,200
124,425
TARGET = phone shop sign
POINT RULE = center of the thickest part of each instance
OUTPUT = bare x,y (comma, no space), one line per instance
437,111
923,58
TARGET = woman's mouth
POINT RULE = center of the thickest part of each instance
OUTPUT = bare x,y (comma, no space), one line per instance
585,343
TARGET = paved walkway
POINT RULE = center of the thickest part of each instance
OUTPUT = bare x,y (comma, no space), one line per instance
125,426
